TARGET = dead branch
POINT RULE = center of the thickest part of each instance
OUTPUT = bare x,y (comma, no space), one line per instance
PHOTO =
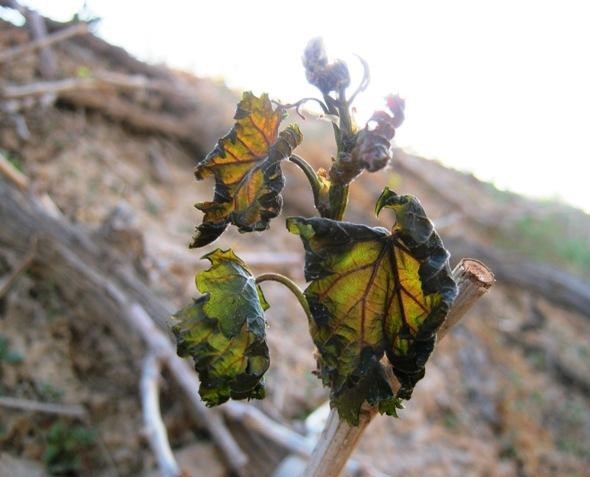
23,216
339,438
73,410
255,419
21,267
21,127
59,36
137,116
38,29
180,105
180,108
186,378
81,92
99,80
13,174
152,419
118,57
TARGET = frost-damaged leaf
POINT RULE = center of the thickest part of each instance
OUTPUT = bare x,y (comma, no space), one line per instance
369,148
327,77
374,292
224,331
246,167
373,144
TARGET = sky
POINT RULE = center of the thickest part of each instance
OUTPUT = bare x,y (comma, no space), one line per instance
497,88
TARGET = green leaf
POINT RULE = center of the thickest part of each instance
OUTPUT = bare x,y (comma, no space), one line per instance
372,293
246,167
224,331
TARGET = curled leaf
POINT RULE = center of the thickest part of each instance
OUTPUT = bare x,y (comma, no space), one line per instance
372,148
368,148
224,331
373,293
327,77
246,167
322,195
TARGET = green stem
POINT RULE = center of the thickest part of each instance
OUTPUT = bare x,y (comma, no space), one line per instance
334,111
338,193
338,200
293,288
344,112
311,175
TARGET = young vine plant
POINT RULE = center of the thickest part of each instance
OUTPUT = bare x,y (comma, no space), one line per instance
375,298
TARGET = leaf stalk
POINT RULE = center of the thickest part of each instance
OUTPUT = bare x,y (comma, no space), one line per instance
290,284
311,175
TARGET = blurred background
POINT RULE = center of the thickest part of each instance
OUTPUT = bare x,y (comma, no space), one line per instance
105,108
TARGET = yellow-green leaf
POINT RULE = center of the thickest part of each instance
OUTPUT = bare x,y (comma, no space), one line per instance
224,331
373,293
246,167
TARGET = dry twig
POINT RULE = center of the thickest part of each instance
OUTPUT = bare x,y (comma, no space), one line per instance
152,418
256,420
19,269
38,29
59,36
13,174
186,378
100,79
72,410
